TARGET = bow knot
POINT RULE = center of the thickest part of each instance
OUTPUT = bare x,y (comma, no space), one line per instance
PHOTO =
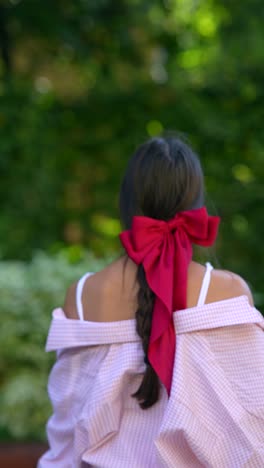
175,223
165,251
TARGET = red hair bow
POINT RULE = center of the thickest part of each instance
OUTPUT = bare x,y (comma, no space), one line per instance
165,250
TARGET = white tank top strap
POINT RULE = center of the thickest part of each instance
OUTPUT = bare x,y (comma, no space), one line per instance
79,294
205,285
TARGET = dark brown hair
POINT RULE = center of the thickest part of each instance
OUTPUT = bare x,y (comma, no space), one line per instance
163,177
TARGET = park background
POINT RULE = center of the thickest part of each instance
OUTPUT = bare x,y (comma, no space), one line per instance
82,83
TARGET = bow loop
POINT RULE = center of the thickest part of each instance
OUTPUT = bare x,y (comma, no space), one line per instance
165,251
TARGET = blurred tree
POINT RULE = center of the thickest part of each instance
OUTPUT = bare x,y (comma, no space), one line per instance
4,41
86,81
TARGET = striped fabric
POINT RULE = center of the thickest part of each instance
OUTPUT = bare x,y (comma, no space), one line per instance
213,418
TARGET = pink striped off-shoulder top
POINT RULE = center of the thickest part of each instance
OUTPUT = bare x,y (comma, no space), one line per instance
213,418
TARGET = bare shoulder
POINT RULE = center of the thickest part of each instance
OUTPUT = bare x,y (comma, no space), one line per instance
103,291
226,285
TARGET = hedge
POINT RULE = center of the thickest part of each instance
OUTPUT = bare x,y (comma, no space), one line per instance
29,292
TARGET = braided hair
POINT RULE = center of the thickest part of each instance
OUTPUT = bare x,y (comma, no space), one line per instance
148,392
163,177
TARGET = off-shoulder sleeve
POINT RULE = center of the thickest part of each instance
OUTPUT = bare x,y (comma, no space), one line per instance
95,364
215,413
60,425
68,387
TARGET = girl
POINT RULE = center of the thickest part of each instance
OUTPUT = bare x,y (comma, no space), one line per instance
160,360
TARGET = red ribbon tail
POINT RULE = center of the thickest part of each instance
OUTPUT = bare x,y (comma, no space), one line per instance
161,355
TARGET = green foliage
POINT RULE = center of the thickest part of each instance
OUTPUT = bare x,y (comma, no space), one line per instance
81,87
29,292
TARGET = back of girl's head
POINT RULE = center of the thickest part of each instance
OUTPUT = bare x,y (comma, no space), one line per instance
163,177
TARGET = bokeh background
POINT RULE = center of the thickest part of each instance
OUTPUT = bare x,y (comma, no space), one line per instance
82,83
